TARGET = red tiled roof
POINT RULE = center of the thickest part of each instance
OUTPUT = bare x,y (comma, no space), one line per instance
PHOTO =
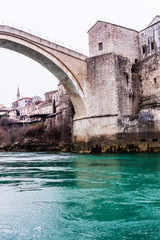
21,99
24,98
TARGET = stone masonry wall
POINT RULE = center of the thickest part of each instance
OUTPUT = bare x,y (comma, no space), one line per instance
123,82
128,87
116,39
149,70
112,95
125,98
149,41
101,85
101,101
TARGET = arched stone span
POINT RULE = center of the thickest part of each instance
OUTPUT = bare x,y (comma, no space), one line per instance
68,66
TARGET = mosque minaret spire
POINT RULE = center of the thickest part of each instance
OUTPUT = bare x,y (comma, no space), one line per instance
18,94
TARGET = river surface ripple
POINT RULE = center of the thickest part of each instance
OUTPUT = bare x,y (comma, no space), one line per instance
62,196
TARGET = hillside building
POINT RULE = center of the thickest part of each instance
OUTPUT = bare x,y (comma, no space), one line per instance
49,96
53,109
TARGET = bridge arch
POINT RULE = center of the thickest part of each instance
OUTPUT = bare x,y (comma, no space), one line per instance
46,57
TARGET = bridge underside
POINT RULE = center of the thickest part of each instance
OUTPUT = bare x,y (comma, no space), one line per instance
47,58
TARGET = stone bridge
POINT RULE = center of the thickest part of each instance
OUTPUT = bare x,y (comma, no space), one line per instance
115,91
68,66
92,95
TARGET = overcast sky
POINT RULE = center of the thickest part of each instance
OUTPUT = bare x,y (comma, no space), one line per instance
65,22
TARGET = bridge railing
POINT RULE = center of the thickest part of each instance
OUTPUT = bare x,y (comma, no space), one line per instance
38,34
29,35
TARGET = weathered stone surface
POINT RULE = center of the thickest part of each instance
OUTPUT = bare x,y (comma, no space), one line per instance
116,39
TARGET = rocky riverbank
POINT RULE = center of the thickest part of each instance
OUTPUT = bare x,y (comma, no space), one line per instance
35,146
38,137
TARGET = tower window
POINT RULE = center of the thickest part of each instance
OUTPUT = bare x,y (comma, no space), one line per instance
152,46
155,140
155,80
143,140
127,78
143,49
100,45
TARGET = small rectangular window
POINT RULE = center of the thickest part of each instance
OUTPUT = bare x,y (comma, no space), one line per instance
126,76
100,45
152,46
154,140
143,49
155,80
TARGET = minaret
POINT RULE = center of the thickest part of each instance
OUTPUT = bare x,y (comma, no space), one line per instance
18,94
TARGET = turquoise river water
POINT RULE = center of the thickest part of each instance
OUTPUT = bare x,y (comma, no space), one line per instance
66,196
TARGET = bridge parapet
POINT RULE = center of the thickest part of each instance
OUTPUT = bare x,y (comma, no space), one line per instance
30,37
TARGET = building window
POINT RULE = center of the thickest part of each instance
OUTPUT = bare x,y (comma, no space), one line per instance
152,46
143,49
126,77
155,140
155,80
100,45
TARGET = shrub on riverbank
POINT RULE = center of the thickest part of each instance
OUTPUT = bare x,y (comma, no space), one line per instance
35,131
4,137
33,137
